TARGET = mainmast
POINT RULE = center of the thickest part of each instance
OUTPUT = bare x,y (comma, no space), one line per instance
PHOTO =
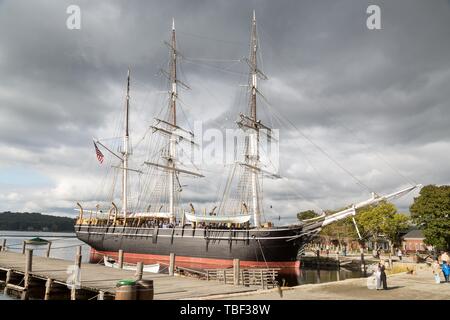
250,122
125,151
253,152
173,121
253,68
168,127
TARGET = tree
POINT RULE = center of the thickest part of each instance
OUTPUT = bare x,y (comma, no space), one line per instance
382,220
398,223
431,212
308,214
373,219
340,231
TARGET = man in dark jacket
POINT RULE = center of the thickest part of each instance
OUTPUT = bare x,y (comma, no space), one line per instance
383,276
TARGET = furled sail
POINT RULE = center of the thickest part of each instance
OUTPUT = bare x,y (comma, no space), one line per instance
163,215
218,219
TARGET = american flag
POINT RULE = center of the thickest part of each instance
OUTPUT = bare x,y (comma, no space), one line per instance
99,153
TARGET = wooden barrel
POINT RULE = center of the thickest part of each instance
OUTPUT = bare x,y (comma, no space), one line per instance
126,290
144,289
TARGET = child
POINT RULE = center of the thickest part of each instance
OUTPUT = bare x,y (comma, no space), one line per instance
436,268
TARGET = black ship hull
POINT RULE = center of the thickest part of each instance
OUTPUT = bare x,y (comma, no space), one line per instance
267,247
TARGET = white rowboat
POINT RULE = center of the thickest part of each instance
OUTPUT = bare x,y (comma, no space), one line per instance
109,262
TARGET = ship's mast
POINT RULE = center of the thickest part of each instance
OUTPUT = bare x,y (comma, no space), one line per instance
173,121
125,151
169,127
253,151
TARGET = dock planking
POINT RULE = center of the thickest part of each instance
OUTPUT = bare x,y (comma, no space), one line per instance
96,277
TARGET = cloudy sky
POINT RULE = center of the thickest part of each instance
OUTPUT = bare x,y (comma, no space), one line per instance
357,109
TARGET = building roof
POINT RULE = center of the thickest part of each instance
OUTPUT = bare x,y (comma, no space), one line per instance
414,234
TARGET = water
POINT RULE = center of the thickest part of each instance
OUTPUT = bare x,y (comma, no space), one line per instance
64,247
294,277
3,297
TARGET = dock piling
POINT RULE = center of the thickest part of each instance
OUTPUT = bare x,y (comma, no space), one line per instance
28,269
78,257
47,253
28,261
172,264
139,270
4,245
318,258
7,280
121,259
236,271
24,246
73,290
48,288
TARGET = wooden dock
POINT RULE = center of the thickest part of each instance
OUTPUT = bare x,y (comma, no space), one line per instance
49,278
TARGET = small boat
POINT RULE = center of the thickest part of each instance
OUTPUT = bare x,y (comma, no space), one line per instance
36,241
109,262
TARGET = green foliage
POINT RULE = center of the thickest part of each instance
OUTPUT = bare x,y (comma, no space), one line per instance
382,220
431,212
373,220
399,223
340,229
308,214
35,222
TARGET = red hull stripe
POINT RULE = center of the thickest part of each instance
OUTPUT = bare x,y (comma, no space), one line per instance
223,263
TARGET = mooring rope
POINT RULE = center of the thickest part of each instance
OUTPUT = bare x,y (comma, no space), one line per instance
274,281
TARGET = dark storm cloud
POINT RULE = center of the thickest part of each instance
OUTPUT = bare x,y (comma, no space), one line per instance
356,93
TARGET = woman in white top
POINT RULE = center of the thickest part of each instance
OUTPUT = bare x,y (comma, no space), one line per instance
378,277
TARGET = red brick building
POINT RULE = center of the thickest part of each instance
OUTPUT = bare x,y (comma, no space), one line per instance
413,241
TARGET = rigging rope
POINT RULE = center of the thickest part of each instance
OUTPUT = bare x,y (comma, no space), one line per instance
280,117
377,154
210,38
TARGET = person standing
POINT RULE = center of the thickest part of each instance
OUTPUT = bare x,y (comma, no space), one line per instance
436,269
446,270
383,277
399,254
378,277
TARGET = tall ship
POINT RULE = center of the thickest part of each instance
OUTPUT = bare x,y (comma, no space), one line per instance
151,226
